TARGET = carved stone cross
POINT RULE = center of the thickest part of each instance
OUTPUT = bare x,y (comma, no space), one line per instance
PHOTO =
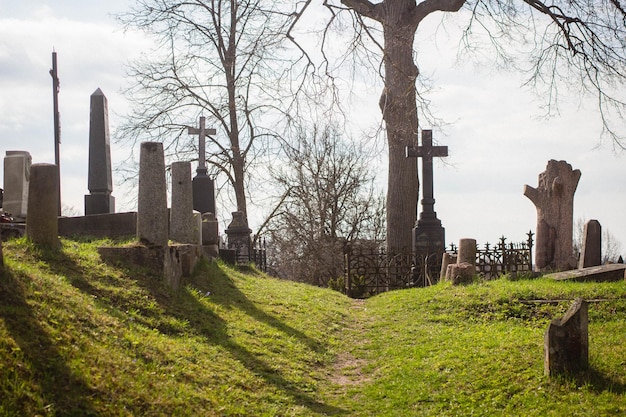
201,131
203,186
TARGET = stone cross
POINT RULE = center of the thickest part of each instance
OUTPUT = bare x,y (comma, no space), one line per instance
99,179
203,187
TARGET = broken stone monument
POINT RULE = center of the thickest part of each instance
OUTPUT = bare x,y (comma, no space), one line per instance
463,271
16,179
41,225
210,235
591,251
238,234
554,200
566,341
183,227
100,183
152,217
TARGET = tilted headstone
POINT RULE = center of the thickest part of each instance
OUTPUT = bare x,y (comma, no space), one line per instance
100,183
152,218
16,178
591,253
554,200
566,341
183,228
42,225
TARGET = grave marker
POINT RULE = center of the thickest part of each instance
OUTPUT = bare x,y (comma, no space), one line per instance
183,228
16,179
42,226
591,253
152,219
203,186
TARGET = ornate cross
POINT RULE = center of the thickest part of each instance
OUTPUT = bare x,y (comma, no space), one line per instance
202,131
427,152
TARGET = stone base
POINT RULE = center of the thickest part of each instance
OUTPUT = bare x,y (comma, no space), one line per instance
462,273
173,263
112,225
99,204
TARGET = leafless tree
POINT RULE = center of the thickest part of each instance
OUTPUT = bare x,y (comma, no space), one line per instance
228,60
329,198
571,42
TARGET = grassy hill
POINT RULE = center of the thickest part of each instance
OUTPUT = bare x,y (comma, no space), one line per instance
78,338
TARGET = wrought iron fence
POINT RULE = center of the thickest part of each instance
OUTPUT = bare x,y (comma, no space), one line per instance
368,270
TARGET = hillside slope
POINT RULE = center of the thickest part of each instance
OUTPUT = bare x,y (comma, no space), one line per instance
78,337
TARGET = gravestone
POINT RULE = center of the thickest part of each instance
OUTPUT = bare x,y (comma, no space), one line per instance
428,234
238,234
16,179
152,218
99,180
463,271
182,225
554,200
42,225
210,235
203,186
566,341
591,253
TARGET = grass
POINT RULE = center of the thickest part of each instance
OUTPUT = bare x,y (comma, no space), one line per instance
78,337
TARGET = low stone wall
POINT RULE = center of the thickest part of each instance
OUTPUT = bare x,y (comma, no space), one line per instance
112,225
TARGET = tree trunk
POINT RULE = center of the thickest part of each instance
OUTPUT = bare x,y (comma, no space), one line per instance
399,106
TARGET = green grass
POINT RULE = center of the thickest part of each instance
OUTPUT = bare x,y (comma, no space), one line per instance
78,337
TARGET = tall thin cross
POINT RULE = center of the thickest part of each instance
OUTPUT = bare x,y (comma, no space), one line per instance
427,152
202,131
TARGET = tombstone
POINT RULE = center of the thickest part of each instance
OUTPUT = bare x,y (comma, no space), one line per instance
203,186
238,234
42,225
554,200
428,234
210,235
152,218
446,260
463,271
16,178
591,253
182,225
566,341
99,180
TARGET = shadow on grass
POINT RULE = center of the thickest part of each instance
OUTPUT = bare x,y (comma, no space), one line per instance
598,382
184,306
63,392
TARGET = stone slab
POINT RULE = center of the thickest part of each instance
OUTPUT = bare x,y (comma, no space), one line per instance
602,273
113,225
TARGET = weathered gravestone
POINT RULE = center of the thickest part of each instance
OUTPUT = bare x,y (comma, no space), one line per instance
591,251
463,271
152,218
16,179
428,235
203,185
554,200
210,235
42,225
183,227
566,341
238,234
99,179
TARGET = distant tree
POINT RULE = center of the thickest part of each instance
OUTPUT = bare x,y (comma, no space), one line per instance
223,59
611,246
329,198
579,42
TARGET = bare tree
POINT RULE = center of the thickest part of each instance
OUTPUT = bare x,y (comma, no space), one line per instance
224,59
575,41
329,198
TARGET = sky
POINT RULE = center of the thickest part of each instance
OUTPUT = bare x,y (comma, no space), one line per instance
497,138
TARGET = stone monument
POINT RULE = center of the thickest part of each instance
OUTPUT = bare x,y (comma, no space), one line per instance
100,183
566,341
183,227
203,186
554,200
591,251
238,234
152,218
428,235
16,181
42,225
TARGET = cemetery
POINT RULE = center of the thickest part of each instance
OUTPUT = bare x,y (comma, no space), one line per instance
160,311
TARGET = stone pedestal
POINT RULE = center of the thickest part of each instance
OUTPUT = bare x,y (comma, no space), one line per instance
238,234
566,341
554,200
16,179
182,227
42,225
463,271
152,217
467,251
591,253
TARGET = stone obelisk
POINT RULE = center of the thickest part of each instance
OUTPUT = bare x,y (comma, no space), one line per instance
100,183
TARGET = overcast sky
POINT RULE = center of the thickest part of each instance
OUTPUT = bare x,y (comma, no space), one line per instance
497,140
